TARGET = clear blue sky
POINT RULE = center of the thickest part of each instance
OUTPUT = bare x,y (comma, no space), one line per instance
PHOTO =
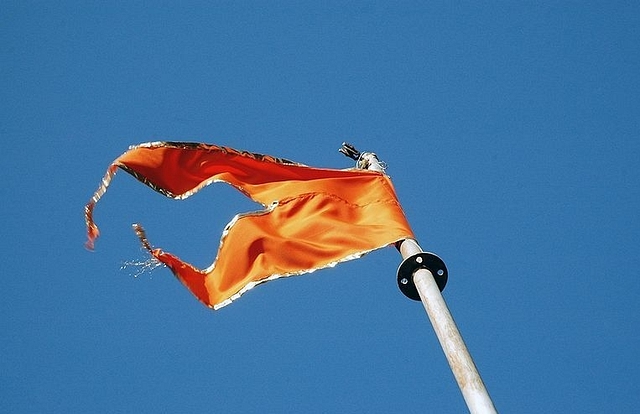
511,131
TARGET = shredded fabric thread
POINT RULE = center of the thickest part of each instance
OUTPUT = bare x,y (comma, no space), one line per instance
141,267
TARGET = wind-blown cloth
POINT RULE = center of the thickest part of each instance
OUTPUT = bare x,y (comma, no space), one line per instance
312,218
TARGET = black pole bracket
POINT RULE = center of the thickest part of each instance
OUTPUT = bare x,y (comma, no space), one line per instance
423,260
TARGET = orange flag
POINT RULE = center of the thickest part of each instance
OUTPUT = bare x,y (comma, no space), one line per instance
312,218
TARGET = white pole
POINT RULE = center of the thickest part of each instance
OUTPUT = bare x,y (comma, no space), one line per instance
464,370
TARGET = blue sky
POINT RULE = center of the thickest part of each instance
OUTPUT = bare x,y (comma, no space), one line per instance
510,130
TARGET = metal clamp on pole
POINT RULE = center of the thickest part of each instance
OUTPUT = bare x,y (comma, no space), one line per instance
423,260
350,151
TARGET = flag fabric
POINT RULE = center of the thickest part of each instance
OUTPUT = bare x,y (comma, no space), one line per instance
312,218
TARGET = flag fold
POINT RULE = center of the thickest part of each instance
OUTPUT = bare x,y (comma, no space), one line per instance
312,217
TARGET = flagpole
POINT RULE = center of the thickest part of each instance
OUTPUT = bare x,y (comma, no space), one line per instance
417,281
464,370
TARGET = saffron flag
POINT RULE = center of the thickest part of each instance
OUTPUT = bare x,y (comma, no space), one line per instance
312,217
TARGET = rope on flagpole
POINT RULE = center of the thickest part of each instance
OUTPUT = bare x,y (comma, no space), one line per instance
422,276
